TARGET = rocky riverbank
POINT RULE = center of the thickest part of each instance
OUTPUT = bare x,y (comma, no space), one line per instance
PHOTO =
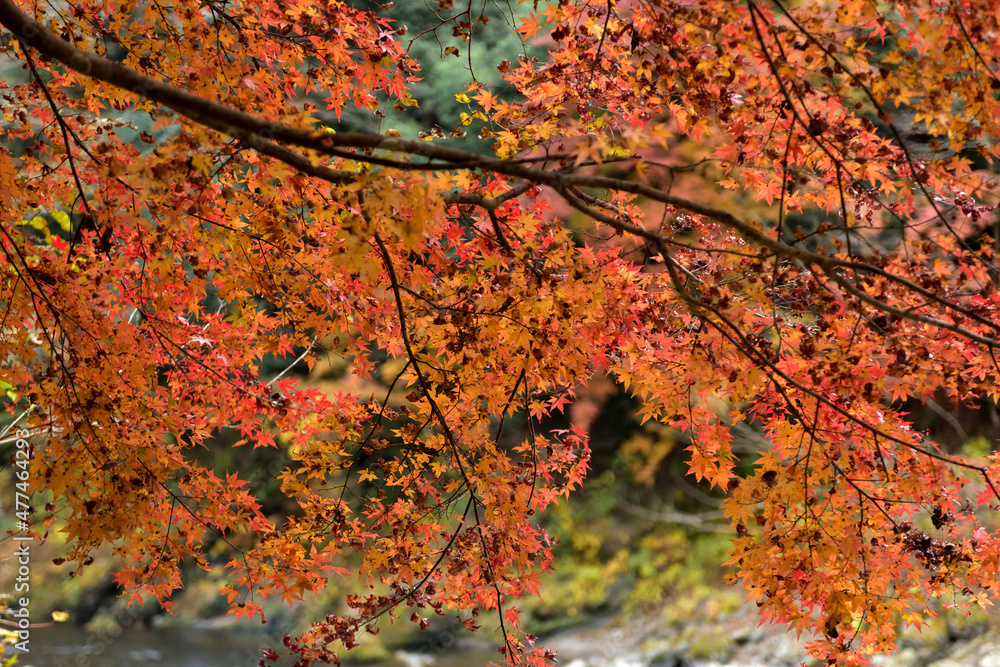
736,640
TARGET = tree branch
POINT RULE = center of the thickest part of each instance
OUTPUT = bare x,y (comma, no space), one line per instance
262,135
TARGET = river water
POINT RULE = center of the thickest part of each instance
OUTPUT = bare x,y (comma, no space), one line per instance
64,645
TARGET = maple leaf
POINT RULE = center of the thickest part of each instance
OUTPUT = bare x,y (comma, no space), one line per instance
530,25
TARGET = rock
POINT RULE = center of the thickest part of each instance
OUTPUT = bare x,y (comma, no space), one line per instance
983,651
414,659
748,635
669,660
906,657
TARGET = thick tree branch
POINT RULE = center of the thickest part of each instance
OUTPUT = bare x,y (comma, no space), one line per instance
262,135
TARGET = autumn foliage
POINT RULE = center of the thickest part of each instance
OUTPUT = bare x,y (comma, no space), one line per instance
835,257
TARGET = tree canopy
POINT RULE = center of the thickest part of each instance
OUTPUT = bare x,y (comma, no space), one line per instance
767,213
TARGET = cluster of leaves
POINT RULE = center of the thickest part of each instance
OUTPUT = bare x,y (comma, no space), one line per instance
453,263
